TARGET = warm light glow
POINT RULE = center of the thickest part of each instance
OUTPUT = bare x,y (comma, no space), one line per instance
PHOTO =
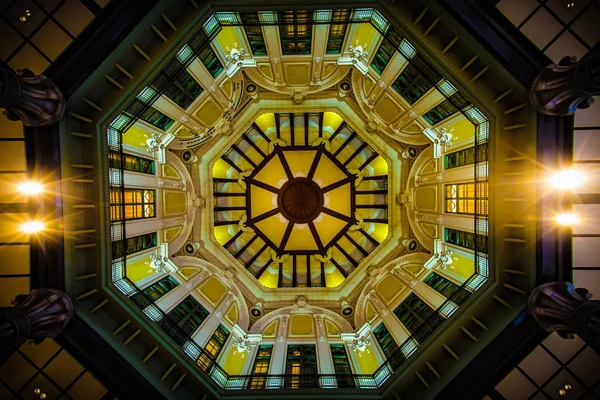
32,226
567,179
566,219
31,188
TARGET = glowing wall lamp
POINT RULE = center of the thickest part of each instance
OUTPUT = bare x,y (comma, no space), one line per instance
32,227
31,188
567,179
566,219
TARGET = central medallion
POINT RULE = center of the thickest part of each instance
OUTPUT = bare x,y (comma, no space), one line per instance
300,200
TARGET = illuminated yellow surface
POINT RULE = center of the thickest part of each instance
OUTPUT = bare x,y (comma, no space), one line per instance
380,166
367,361
300,161
266,121
135,136
228,38
139,269
302,325
273,228
334,278
332,120
273,173
213,290
223,233
270,330
327,172
379,231
301,239
221,169
463,266
235,361
328,227
261,201
462,129
339,199
365,34
267,279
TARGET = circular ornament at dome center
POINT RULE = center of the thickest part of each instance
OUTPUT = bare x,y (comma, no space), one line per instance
300,200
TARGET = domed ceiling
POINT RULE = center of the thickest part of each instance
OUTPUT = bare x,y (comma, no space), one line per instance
300,199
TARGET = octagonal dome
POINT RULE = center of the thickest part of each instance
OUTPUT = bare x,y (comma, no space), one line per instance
300,199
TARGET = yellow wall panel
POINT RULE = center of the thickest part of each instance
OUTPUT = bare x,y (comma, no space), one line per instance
270,330
13,158
209,113
136,137
171,233
139,269
302,325
367,361
14,260
213,290
174,203
389,288
11,287
234,362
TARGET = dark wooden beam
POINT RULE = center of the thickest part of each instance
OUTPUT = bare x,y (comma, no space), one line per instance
368,161
254,145
286,236
355,244
231,163
245,247
373,206
323,283
337,131
292,133
255,257
315,163
265,186
222,223
350,138
337,214
233,239
316,236
341,249
278,125
294,278
337,184
235,208
308,280
227,194
264,216
369,237
356,153
260,132
306,129
263,269
244,155
380,191
339,268
285,165
321,124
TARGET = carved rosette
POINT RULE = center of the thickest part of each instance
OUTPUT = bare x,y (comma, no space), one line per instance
560,89
560,307
33,99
